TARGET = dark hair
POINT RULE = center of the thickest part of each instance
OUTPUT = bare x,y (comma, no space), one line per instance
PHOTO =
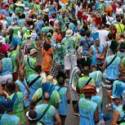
61,78
38,69
88,33
11,87
122,46
114,46
118,18
46,46
123,107
110,36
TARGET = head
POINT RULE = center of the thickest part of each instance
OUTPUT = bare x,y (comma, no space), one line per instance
47,46
46,96
88,33
33,52
114,46
97,42
61,78
38,69
86,70
10,87
117,100
122,47
118,18
31,117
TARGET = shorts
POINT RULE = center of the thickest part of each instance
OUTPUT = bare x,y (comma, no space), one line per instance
70,61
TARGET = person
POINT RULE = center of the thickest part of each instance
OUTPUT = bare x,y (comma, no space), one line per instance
95,50
30,62
49,87
64,96
118,115
69,56
103,33
119,26
3,46
111,72
18,104
121,50
6,109
51,116
87,108
122,69
84,78
6,68
47,54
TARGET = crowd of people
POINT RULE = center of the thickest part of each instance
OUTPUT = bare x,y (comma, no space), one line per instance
59,57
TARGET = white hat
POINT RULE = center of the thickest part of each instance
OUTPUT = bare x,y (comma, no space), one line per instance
33,51
69,32
51,79
20,4
46,10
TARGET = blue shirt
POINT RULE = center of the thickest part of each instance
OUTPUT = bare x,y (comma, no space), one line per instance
87,109
48,118
8,119
63,105
112,71
7,66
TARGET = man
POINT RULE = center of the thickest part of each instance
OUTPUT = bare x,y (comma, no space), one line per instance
69,47
30,62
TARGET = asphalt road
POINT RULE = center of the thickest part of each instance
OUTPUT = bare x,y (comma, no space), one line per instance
72,119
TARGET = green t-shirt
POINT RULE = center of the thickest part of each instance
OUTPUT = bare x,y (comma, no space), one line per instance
18,107
13,55
32,63
54,99
83,80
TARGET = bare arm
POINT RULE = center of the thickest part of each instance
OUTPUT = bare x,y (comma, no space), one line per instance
115,118
57,119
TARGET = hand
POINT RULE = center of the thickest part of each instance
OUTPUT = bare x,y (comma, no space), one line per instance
4,93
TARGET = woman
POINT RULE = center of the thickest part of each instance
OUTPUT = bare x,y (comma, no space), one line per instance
18,106
111,70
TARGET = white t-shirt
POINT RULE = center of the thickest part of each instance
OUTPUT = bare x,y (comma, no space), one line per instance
103,36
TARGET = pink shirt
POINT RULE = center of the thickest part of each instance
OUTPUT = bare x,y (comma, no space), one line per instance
4,48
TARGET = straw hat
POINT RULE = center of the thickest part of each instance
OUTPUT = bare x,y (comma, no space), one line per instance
33,51
51,79
69,32
101,0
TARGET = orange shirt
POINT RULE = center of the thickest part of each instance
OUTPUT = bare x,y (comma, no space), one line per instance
64,1
47,59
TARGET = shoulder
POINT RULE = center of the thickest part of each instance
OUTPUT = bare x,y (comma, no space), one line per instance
88,104
119,109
